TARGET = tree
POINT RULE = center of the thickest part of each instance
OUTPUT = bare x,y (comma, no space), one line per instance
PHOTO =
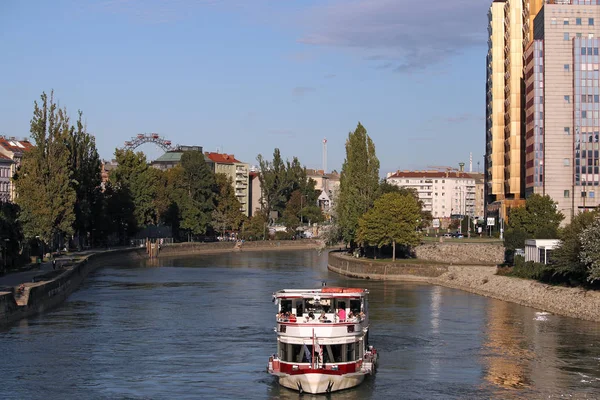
538,219
43,183
132,176
590,250
291,214
394,219
256,227
359,182
273,179
199,181
227,214
85,169
385,187
566,257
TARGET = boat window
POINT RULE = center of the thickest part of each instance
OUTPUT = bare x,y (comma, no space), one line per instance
335,353
355,306
340,304
286,306
299,309
317,305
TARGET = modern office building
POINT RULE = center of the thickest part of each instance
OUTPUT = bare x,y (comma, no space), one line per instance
509,33
562,106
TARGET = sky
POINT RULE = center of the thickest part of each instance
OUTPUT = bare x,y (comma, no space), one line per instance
248,76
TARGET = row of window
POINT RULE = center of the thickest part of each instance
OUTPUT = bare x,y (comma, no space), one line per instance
567,36
591,194
578,21
589,51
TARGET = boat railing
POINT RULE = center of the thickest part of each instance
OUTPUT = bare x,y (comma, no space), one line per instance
328,320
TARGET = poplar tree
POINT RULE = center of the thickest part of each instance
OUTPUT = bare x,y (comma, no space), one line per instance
86,178
273,183
359,182
199,181
43,182
227,214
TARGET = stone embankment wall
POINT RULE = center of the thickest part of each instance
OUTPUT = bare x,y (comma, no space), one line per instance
45,295
481,280
462,253
48,294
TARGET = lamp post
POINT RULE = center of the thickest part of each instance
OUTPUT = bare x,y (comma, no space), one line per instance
41,248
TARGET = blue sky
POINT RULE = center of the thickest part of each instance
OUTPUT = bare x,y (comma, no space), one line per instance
246,76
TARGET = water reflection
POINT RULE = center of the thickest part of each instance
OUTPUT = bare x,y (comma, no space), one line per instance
202,327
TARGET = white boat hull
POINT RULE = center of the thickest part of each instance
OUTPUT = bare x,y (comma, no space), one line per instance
316,383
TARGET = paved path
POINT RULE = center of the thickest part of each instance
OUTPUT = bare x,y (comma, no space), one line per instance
16,278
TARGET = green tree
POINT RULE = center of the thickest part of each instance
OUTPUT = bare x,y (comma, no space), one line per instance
200,184
227,214
11,233
255,228
273,180
291,214
43,183
85,169
359,182
426,216
132,176
590,250
393,220
566,257
538,219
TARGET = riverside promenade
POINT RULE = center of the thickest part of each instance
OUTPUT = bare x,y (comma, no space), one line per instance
45,288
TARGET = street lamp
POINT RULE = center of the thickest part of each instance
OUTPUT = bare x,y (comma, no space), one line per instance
41,248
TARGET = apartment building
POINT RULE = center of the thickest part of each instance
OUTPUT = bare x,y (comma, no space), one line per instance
444,194
563,100
13,149
238,172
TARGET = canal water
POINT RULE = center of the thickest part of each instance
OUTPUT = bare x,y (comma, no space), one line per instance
202,328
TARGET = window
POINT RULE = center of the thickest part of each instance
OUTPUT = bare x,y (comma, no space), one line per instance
566,162
566,194
566,21
590,21
567,130
595,52
566,67
567,99
553,21
577,21
596,98
583,53
584,114
591,194
583,98
566,36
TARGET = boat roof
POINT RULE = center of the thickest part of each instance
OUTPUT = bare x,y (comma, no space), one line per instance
325,291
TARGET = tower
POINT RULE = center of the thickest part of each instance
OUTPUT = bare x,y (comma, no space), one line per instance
324,155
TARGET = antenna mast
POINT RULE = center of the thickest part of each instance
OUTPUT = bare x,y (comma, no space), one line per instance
470,162
324,155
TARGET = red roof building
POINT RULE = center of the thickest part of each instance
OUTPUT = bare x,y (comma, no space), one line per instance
13,150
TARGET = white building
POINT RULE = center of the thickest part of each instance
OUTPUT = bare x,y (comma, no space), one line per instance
539,250
443,193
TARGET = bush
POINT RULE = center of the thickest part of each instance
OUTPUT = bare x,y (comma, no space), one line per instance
531,270
282,235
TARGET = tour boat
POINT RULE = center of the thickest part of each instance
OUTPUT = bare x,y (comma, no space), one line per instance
322,339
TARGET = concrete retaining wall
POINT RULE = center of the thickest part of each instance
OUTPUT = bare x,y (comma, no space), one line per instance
48,294
361,268
462,253
481,280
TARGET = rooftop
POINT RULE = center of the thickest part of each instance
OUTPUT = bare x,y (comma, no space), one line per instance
432,174
222,158
14,145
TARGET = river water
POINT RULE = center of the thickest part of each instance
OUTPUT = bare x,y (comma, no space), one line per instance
202,328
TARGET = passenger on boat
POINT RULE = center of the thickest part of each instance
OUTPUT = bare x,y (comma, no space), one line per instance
323,317
310,317
292,317
341,314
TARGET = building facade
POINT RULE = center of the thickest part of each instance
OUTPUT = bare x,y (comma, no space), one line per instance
5,178
238,172
328,184
444,194
510,30
13,149
563,99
